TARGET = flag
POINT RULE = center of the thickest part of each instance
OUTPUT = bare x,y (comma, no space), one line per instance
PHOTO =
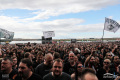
111,25
48,34
6,34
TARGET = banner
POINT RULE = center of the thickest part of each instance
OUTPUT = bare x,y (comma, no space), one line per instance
6,34
111,25
48,34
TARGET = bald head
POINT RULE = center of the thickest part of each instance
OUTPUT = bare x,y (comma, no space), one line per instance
71,57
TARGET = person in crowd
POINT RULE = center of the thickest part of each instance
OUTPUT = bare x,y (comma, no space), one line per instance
78,71
102,72
90,61
97,64
101,58
7,72
118,73
14,54
115,48
56,55
82,55
115,62
39,59
45,67
25,71
88,74
69,67
15,64
66,55
108,56
28,55
57,73
76,59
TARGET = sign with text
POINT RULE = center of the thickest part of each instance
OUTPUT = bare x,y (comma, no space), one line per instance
48,34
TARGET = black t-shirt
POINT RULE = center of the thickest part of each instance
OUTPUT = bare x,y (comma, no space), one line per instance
10,76
32,77
35,64
68,68
64,76
42,69
103,75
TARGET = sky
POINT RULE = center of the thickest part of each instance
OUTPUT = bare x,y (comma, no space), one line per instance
69,19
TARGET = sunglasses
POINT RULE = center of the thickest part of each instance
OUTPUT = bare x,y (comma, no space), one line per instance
57,67
109,55
106,62
79,66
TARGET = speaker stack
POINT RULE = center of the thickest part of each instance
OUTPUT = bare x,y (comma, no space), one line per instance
46,40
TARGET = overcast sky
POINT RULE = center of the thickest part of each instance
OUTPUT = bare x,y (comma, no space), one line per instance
67,18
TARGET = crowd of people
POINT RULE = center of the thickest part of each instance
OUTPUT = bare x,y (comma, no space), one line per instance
60,61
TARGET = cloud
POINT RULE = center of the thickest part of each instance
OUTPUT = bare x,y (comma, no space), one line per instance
62,27
53,4
48,8
44,9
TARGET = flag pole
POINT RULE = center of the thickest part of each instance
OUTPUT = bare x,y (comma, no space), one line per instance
103,35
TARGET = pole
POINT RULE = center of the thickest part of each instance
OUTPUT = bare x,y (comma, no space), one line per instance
103,35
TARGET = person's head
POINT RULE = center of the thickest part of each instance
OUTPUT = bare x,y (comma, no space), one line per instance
101,56
92,60
102,50
56,55
76,59
6,64
88,74
79,67
39,56
108,56
14,54
48,59
115,59
57,67
97,60
28,55
71,57
106,62
14,61
25,68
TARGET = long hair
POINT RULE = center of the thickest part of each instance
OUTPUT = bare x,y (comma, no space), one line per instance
76,71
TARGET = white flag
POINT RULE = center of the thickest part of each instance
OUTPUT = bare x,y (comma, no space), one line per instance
6,34
48,34
111,25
